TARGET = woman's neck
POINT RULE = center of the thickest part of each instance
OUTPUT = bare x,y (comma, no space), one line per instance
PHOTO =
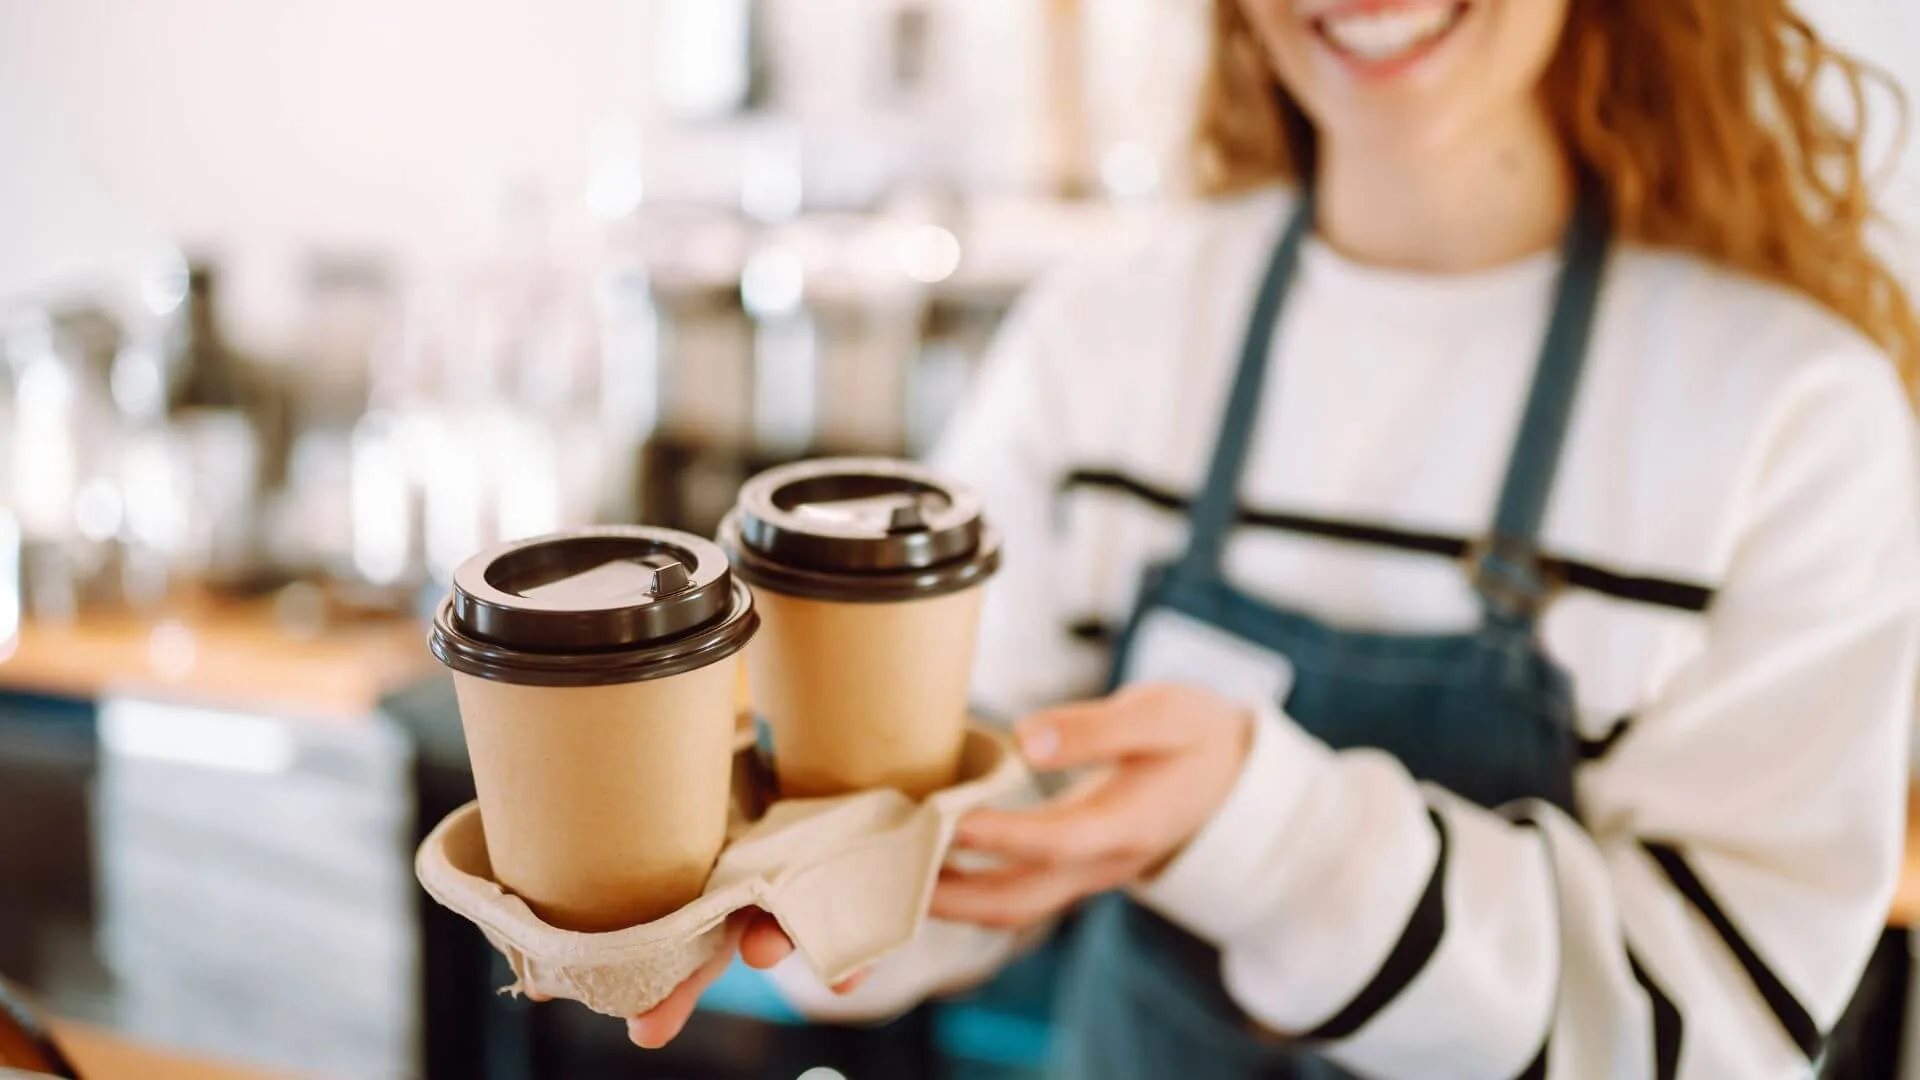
1499,193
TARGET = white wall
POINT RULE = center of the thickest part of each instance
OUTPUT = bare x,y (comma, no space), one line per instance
1886,33
260,127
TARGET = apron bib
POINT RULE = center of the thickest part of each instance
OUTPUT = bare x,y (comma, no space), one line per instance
1484,713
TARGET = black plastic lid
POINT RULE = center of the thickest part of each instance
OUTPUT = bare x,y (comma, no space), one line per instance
593,607
860,529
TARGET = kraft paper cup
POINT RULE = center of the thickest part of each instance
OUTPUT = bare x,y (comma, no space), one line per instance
596,674
866,574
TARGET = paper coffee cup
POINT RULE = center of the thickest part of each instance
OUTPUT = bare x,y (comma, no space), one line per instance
596,673
866,574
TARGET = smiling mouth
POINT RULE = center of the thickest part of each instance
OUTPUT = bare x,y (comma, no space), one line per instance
1384,36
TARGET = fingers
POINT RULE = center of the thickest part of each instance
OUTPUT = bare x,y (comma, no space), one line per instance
1115,818
1014,899
764,944
659,1026
1143,721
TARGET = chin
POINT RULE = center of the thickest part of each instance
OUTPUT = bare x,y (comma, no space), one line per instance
1388,128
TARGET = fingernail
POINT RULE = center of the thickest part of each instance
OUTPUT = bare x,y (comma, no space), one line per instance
640,1036
1039,744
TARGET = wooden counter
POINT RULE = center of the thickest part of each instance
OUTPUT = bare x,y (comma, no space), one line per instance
235,654
97,1054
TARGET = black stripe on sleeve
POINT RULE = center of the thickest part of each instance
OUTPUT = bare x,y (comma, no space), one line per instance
1419,940
1113,481
1093,630
1357,532
1522,814
1595,749
1658,592
1538,1069
1667,1026
1793,1016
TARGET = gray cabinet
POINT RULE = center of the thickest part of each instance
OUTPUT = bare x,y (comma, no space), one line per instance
256,887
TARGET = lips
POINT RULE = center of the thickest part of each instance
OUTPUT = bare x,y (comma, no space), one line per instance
1374,34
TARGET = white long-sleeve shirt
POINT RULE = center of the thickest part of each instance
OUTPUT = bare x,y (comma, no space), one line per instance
1709,916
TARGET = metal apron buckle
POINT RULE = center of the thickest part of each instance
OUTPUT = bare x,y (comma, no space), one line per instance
1511,577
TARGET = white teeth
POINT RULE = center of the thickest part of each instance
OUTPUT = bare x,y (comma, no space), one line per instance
1384,35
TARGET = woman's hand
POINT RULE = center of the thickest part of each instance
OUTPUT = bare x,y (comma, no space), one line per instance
1167,755
760,942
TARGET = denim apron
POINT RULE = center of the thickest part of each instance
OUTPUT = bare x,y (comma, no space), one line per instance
1484,713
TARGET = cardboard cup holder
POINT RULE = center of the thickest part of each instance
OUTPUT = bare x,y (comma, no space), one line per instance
848,877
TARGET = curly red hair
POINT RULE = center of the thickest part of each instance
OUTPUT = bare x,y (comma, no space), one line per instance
1702,120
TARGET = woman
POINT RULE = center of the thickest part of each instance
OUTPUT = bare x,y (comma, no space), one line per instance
1516,456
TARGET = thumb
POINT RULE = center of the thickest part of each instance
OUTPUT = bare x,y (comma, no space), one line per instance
763,944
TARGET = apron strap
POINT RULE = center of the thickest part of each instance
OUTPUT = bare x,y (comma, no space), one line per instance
1217,506
1506,567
